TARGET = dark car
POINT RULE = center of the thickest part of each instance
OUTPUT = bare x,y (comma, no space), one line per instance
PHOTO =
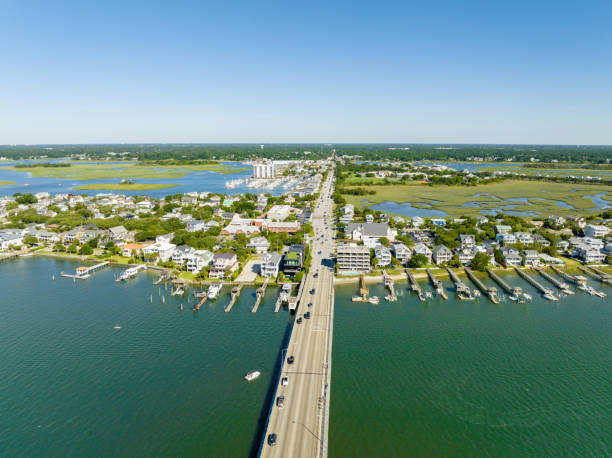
272,439
307,315
312,291
310,304
316,275
299,320
290,360
280,401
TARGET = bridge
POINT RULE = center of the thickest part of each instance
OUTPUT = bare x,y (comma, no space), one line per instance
301,424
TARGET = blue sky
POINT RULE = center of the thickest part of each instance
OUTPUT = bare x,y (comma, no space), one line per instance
427,71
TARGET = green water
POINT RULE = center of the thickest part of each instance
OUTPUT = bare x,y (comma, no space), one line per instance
452,378
446,378
169,383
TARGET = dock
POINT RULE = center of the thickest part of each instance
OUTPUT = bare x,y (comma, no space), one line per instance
283,297
461,288
201,303
437,284
83,272
547,292
389,283
512,290
564,287
165,276
364,292
414,285
179,289
575,279
598,274
235,295
261,292
489,291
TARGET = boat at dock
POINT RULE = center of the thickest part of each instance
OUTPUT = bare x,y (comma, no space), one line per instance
129,273
252,375
213,290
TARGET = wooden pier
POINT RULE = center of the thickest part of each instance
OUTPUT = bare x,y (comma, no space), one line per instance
235,295
596,273
201,303
283,297
489,291
414,285
364,292
513,290
261,292
84,272
576,279
547,292
165,276
564,287
461,288
389,282
437,284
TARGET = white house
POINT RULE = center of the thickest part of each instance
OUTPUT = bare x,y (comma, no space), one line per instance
194,225
181,253
198,260
259,244
441,254
383,255
421,248
401,251
164,250
532,258
270,264
223,263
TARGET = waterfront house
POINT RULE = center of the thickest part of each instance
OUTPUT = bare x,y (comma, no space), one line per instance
133,249
270,265
294,259
369,233
181,253
441,254
588,254
353,258
197,260
531,258
159,250
466,255
383,255
8,240
223,264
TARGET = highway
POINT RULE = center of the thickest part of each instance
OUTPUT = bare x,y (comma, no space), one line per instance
300,424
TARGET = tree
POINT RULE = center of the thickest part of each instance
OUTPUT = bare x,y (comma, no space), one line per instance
30,240
25,199
455,262
86,250
384,241
480,261
418,260
499,256
59,247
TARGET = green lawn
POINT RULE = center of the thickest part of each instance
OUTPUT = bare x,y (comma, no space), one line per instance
88,171
7,183
449,199
124,187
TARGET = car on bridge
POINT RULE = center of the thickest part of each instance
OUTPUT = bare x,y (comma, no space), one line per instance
285,381
290,359
272,439
280,402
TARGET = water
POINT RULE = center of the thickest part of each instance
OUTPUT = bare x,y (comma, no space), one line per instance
599,201
453,378
193,181
169,383
406,209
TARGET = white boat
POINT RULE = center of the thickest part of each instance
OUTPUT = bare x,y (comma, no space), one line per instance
117,327
252,375
213,290
513,297
129,273
527,296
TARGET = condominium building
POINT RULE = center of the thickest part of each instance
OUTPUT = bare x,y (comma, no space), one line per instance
353,258
263,169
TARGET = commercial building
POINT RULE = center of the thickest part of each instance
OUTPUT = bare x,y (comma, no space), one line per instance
263,170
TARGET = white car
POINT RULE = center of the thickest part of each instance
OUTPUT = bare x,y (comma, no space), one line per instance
285,381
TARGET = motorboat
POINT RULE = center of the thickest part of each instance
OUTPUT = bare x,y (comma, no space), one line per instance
252,375
513,297
527,296
117,327
213,290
